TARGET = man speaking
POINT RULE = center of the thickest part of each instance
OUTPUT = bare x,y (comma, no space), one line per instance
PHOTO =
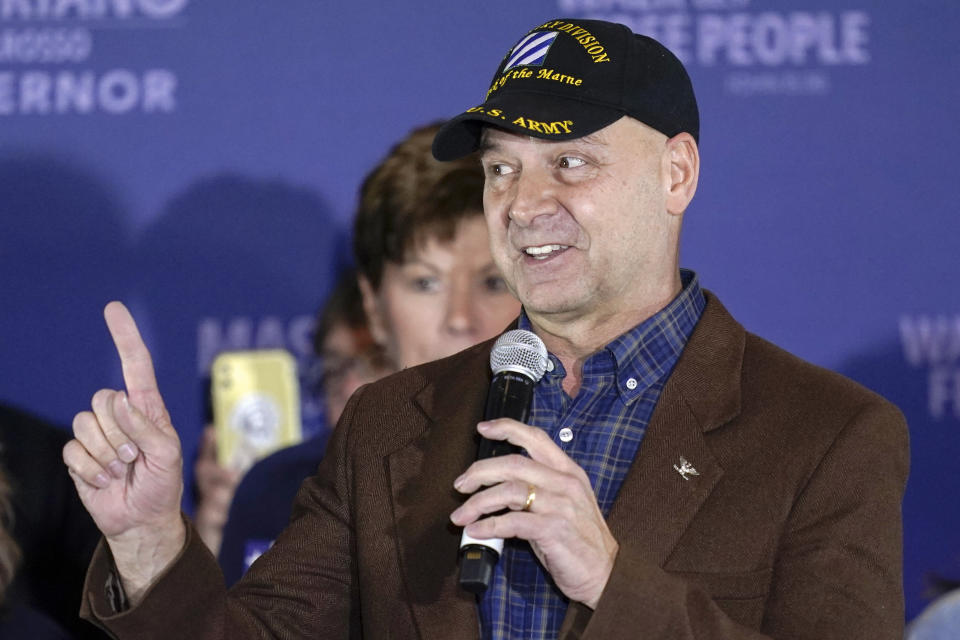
680,478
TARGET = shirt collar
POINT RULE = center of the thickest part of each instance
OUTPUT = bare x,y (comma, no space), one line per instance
645,354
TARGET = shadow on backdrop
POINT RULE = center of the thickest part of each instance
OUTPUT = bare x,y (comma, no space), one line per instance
232,262
63,255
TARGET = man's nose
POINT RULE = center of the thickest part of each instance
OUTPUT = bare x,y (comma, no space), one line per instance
533,196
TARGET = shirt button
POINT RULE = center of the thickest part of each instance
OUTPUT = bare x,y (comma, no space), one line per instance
566,434
632,384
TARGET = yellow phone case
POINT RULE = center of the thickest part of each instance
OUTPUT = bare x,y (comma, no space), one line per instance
256,405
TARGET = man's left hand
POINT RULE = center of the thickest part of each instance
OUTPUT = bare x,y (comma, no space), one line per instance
562,521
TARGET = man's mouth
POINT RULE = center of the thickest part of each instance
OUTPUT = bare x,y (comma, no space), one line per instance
545,251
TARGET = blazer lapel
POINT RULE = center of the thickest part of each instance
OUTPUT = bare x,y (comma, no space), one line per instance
421,479
675,472
668,482
661,494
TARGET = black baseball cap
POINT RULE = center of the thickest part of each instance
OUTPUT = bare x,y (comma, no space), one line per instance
568,78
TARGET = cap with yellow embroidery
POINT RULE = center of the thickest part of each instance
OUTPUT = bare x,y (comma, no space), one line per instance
568,78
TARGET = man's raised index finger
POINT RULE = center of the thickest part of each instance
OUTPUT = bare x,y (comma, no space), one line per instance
135,359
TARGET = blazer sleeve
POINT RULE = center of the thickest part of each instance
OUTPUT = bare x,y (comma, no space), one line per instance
838,567
291,591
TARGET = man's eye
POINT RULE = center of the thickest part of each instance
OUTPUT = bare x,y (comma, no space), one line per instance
499,169
571,162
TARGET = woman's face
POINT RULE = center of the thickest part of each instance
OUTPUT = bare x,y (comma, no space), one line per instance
350,360
444,298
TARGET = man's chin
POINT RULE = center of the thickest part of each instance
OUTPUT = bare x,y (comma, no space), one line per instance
554,302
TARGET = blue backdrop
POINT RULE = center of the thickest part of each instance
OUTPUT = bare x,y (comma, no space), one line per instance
200,160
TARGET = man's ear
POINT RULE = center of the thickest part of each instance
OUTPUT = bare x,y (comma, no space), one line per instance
373,309
683,158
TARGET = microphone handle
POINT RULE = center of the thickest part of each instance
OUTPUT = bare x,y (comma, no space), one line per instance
510,396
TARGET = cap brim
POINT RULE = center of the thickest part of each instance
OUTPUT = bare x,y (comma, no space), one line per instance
528,113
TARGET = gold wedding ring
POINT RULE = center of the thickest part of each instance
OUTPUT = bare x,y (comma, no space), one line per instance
531,496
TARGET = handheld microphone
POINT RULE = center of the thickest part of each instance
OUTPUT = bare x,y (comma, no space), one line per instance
518,360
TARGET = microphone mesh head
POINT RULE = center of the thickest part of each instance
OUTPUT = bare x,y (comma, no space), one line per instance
520,351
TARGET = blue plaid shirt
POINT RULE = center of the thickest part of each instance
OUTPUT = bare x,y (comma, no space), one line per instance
600,429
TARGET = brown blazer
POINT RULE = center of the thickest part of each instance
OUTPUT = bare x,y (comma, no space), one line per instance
791,529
